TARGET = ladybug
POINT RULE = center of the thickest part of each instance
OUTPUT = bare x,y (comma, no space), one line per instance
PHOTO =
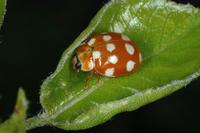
108,54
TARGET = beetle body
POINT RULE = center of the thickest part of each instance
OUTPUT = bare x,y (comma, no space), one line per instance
108,54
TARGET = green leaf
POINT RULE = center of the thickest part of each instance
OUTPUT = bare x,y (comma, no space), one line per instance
2,10
168,35
16,123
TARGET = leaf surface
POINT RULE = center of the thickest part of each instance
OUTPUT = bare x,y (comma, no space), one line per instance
168,36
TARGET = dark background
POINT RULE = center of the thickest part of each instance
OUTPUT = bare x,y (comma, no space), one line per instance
36,32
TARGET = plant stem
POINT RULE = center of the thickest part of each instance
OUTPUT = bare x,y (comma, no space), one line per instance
36,121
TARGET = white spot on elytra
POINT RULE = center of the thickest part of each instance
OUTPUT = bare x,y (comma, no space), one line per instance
110,47
140,57
130,65
107,38
91,41
109,72
125,38
129,48
113,59
96,54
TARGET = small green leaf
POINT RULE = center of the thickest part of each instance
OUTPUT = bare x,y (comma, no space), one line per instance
16,123
2,10
168,36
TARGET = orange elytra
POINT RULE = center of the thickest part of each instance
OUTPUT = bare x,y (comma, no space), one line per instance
108,54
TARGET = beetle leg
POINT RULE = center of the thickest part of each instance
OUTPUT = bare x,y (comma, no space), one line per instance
87,79
98,78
